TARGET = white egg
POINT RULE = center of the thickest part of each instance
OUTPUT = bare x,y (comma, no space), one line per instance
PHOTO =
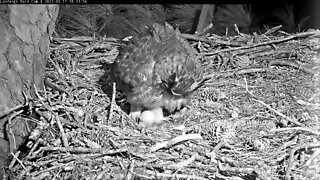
158,115
147,117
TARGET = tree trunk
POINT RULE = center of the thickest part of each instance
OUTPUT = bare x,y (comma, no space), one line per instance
205,17
24,33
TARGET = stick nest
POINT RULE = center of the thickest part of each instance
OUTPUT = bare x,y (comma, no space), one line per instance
256,118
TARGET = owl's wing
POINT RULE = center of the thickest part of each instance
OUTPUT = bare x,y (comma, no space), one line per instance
133,70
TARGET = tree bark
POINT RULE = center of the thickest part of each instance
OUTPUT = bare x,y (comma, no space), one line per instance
25,34
205,17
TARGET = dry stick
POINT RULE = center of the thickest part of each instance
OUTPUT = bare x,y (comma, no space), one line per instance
33,148
56,174
133,123
11,137
262,69
237,72
48,83
184,163
197,38
84,150
43,173
207,28
297,129
63,134
143,176
274,29
171,176
174,141
276,41
246,86
129,173
2,114
292,64
114,90
23,172
236,169
237,29
278,113
102,173
59,70
312,158
291,159
250,70
111,41
285,33
15,158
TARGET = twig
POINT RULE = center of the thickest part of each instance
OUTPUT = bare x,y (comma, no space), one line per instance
129,173
236,29
236,169
293,151
113,101
63,134
23,172
284,33
247,89
237,72
133,123
297,129
174,141
5,113
171,176
56,174
59,70
197,38
220,176
48,83
101,175
278,113
15,158
33,147
292,64
206,29
40,97
274,29
184,163
313,157
11,136
251,70
276,41
84,150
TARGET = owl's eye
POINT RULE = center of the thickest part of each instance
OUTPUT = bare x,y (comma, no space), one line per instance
164,84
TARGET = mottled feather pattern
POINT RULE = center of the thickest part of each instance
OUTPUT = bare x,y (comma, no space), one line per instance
134,65
158,69
146,95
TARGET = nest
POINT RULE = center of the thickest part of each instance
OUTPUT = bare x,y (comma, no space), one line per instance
256,118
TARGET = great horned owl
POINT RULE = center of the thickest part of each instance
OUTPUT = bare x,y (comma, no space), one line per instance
157,69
